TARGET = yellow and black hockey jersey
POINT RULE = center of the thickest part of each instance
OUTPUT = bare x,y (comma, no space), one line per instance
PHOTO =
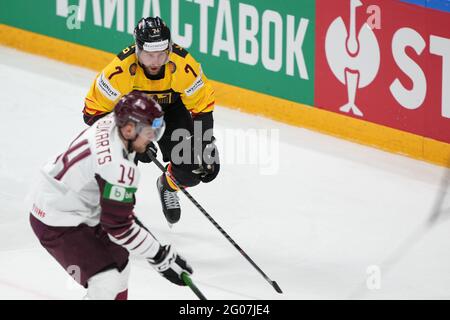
180,81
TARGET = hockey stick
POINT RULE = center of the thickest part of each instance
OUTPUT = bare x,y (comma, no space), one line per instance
202,210
188,281
422,229
416,235
436,211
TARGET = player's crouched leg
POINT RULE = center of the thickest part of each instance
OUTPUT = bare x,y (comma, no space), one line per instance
191,174
87,254
184,174
109,285
168,189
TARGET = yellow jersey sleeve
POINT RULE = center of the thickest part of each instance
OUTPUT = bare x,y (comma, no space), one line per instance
196,91
110,85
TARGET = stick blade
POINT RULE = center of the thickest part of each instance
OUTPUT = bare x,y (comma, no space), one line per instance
276,287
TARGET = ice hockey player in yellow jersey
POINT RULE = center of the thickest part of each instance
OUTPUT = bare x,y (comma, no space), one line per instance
170,75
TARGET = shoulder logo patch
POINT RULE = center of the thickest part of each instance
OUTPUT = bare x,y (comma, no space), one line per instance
132,69
106,88
172,67
197,85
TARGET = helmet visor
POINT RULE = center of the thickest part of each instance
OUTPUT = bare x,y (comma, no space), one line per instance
156,58
152,132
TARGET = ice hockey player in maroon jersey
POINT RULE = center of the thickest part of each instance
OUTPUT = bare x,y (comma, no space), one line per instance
83,205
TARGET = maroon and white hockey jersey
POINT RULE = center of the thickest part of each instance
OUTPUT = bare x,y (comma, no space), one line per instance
94,181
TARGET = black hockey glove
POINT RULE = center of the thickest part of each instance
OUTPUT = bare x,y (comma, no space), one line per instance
210,165
170,265
143,157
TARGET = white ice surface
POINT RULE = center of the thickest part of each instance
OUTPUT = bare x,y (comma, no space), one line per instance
332,208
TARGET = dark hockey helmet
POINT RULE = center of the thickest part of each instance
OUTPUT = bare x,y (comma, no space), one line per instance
142,110
152,34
